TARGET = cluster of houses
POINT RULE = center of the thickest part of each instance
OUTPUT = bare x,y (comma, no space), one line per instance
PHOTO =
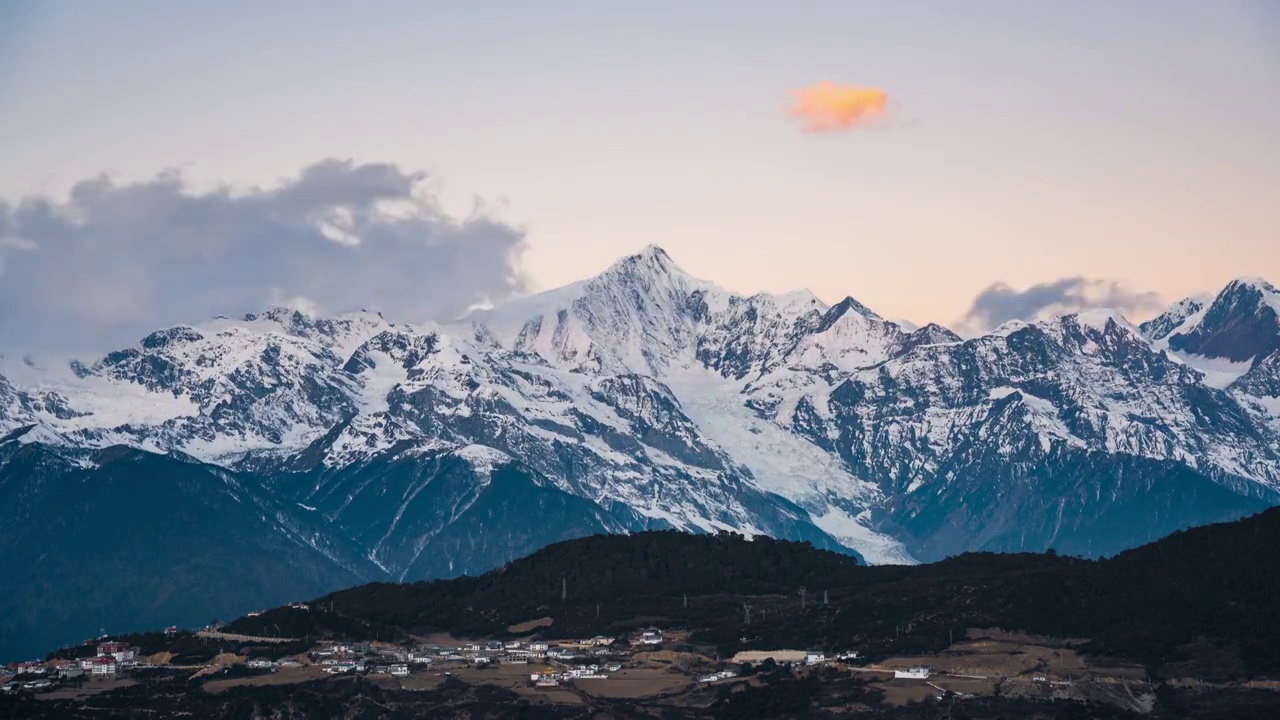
397,660
552,678
111,658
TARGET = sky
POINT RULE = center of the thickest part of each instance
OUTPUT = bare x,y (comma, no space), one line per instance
1030,153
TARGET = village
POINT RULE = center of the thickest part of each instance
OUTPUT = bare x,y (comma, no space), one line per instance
646,663
533,664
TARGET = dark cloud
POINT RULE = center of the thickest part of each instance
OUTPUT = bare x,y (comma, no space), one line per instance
1001,303
117,260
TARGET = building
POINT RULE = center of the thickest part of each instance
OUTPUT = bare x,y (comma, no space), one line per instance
122,652
399,670
171,630
261,663
918,672
652,636
104,665
814,657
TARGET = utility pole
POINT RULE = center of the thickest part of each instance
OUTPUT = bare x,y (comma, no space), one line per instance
686,601
597,611
564,588
746,610
803,590
824,597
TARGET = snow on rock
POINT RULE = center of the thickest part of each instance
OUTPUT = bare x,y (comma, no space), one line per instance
483,459
675,403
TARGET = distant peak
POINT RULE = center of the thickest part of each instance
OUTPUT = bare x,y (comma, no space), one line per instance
650,255
1255,283
654,251
851,304
651,261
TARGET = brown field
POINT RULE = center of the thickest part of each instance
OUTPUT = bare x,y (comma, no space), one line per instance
965,686
93,687
283,676
530,625
635,683
996,659
506,676
561,697
422,681
901,692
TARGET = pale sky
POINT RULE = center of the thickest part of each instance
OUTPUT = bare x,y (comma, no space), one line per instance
1026,140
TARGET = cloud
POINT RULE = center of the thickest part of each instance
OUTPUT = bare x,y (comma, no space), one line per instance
827,107
1000,303
117,260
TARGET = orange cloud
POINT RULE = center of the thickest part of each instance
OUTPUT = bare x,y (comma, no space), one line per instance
827,107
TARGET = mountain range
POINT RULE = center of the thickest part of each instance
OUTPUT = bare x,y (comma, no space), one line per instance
250,461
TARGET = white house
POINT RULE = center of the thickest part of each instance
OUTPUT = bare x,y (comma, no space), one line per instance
814,657
400,670
122,652
104,665
918,672
260,663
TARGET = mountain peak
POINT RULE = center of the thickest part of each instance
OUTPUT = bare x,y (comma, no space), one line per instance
651,261
1255,283
1242,323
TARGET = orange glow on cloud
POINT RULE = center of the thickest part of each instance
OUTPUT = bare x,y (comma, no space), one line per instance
827,107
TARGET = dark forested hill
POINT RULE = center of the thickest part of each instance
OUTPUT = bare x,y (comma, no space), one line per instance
1202,600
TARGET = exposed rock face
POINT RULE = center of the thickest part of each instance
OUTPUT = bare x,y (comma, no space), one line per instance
646,398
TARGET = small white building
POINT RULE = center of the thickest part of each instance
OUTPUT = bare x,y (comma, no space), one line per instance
918,672
400,670
261,663
652,636
814,657
104,665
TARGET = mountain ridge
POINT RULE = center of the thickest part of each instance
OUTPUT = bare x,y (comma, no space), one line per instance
645,398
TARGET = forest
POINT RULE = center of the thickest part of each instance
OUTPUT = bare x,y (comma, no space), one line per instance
1201,602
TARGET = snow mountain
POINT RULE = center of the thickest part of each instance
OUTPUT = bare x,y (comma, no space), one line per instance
647,398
